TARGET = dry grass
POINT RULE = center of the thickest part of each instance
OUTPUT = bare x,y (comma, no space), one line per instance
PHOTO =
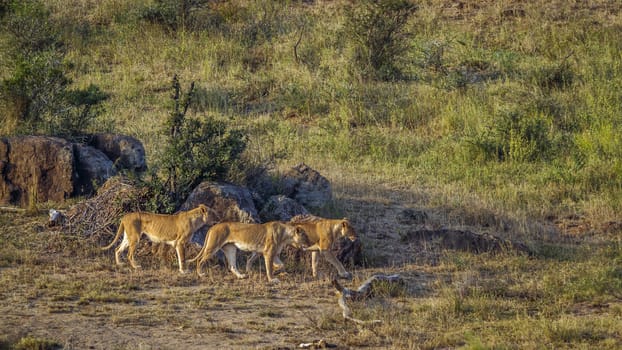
563,297
385,147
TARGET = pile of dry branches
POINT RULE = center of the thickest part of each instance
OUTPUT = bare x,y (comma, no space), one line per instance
99,216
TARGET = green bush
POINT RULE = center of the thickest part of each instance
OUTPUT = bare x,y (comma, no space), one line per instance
378,29
35,91
176,15
196,150
518,136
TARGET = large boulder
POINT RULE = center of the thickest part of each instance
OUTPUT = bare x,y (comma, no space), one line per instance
93,168
229,203
125,151
36,166
42,168
307,186
281,208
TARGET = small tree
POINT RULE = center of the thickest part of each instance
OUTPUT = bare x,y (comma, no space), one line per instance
35,92
196,150
378,29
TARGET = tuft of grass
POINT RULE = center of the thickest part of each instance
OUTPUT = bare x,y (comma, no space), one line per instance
34,343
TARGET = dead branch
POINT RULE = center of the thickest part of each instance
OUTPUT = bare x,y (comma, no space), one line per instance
12,210
364,291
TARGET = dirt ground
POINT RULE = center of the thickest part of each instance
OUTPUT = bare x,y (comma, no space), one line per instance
65,290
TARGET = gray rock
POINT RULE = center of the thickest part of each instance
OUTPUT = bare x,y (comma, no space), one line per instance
281,208
229,203
93,168
125,151
36,166
307,186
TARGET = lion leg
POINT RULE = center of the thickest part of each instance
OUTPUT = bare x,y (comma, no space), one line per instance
314,262
249,262
268,257
120,249
231,251
179,248
205,254
336,263
130,253
278,264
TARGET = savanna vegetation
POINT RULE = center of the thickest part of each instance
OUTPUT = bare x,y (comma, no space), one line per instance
498,116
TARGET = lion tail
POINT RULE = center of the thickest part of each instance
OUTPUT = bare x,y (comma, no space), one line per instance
116,238
199,254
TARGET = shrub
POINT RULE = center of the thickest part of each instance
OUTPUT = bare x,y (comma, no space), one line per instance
515,136
378,29
174,14
196,150
35,91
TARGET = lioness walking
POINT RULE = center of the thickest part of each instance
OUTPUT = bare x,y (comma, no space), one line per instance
174,230
322,234
267,239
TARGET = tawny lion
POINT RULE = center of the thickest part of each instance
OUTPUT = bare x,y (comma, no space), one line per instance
267,239
174,230
322,234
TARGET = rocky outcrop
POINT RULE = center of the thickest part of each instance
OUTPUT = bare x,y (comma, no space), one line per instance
93,168
125,152
229,203
42,169
307,186
36,169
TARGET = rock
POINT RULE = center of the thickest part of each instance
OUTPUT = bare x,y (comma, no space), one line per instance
93,168
229,203
307,186
281,208
56,218
262,187
125,151
36,165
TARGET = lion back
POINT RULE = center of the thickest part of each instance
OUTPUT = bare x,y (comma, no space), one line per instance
163,226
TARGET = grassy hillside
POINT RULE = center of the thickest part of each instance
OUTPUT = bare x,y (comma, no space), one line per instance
510,106
497,116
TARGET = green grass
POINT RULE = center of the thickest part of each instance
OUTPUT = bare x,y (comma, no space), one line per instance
508,121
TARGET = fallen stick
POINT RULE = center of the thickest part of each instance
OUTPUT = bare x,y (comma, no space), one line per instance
12,209
364,291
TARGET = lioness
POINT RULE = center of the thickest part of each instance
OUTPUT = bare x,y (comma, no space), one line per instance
322,233
268,239
174,230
